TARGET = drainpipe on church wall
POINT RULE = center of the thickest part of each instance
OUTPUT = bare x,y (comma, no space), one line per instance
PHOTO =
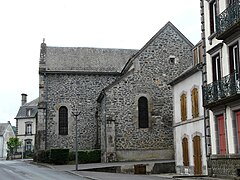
46,113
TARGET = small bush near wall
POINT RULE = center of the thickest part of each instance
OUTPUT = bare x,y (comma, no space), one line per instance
94,156
42,156
59,156
90,156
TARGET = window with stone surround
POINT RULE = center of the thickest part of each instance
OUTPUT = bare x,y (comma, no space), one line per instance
28,128
28,145
213,14
143,119
63,121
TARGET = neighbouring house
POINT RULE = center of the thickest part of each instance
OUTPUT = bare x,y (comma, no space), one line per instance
26,123
221,85
188,123
123,96
6,132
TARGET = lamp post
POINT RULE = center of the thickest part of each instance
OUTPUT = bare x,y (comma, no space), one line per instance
76,113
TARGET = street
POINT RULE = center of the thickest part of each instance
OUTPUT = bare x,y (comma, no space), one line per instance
18,170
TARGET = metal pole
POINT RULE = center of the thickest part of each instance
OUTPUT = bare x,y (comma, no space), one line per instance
76,153
76,114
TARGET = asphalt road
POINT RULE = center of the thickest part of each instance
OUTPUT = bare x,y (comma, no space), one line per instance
18,170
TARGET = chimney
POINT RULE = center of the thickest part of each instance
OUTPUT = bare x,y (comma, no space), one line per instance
24,98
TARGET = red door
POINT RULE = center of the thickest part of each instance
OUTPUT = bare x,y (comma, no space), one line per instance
238,126
222,138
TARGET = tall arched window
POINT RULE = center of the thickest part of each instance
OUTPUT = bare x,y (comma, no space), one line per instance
63,120
183,107
143,112
195,108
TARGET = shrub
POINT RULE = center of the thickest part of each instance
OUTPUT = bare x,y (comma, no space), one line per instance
94,156
59,156
42,156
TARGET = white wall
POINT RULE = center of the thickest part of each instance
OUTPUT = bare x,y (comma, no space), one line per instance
186,86
190,127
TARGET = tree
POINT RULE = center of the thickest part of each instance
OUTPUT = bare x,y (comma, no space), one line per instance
13,144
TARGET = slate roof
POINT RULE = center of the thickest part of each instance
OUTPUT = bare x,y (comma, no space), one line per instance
86,59
3,127
22,113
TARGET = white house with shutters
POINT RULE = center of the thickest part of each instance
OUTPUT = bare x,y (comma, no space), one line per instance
26,124
188,124
221,87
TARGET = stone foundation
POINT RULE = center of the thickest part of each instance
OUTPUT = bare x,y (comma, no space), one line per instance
225,165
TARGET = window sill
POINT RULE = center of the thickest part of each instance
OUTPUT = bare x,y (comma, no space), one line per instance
210,38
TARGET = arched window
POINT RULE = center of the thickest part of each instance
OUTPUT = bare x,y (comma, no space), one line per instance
63,120
195,108
183,107
185,152
143,112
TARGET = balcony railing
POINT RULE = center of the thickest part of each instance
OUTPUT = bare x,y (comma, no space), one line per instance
228,18
223,89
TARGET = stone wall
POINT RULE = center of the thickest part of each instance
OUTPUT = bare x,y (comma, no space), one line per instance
70,90
163,59
224,166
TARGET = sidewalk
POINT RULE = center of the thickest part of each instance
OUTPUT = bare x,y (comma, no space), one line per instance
82,168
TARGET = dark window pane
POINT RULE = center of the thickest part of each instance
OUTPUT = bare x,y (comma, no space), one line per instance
143,112
63,121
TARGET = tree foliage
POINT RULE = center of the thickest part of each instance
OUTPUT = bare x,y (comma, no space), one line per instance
13,144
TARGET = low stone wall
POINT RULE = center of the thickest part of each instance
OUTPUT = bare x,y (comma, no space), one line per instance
139,155
225,165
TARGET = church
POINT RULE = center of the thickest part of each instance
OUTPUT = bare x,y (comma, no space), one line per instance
123,96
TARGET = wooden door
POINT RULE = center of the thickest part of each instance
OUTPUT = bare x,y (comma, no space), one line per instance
197,156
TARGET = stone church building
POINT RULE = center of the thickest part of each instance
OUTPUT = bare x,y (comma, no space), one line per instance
123,96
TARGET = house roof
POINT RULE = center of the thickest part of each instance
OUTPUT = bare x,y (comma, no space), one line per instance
83,59
168,24
22,113
3,127
189,72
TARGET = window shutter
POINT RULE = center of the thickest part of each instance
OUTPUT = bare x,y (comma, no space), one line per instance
238,127
185,152
222,139
183,107
196,109
193,103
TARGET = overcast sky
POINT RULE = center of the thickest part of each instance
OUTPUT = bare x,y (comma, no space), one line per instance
127,24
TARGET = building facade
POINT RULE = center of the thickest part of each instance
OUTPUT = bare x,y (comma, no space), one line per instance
136,110
188,123
6,132
221,89
123,96
26,120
